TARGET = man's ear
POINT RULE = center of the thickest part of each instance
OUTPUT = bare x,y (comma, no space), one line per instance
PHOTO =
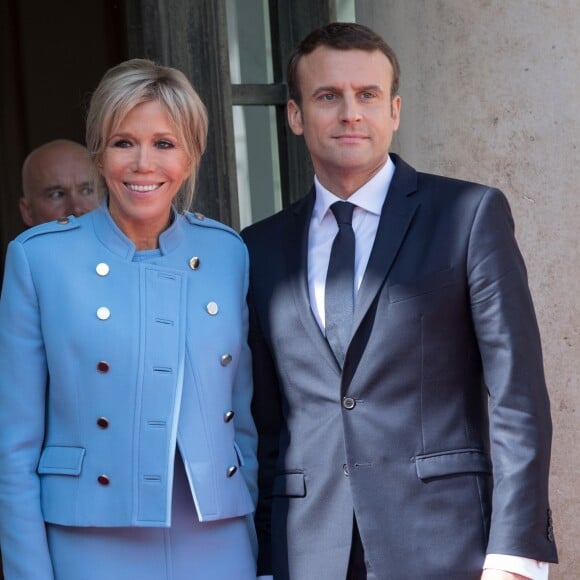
25,211
396,112
294,117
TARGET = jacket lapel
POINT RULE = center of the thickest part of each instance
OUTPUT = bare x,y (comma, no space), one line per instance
396,217
297,263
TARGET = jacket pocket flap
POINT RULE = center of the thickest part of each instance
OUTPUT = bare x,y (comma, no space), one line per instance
429,283
452,463
289,485
61,460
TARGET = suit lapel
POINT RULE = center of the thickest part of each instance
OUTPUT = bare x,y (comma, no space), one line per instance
396,217
297,263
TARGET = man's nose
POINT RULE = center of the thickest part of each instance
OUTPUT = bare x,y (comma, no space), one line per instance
350,111
81,204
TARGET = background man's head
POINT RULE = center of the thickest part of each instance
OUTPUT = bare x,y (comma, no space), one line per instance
58,179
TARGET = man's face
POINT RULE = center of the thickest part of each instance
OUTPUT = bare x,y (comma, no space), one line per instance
59,181
347,115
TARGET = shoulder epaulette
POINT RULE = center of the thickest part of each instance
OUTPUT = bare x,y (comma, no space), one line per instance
60,225
199,219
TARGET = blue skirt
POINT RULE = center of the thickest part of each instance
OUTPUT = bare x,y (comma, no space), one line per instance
188,550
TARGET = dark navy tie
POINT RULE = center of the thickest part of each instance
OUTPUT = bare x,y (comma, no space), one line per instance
339,289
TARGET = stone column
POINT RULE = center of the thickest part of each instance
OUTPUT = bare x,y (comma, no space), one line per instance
491,93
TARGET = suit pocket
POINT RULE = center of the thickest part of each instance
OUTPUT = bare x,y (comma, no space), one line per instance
289,485
56,460
452,463
425,285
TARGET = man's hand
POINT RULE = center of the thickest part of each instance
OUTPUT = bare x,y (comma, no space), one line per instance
491,574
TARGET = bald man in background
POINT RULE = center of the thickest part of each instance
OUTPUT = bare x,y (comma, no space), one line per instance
58,179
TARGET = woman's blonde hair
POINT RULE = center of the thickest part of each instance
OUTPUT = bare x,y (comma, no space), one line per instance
138,81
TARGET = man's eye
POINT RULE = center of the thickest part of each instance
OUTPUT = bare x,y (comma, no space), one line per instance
328,97
55,194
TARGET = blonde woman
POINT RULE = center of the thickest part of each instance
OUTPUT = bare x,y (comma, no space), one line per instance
127,446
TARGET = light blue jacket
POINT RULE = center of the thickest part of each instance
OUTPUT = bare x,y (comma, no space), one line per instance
107,363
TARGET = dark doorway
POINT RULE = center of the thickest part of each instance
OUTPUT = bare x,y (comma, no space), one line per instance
52,55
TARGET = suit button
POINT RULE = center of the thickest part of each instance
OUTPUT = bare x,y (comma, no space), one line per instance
231,470
345,469
348,403
102,269
103,366
194,263
225,360
104,479
228,416
63,221
212,308
103,422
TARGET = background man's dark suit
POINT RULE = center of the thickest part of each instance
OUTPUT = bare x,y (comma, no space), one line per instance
443,312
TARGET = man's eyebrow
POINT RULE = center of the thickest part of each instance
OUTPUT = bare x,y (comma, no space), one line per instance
333,89
325,89
49,188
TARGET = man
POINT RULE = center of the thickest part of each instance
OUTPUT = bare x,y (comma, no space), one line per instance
58,179
376,443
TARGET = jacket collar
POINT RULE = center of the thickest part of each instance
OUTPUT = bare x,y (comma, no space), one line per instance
117,242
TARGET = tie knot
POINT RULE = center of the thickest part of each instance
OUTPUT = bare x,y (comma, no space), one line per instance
342,211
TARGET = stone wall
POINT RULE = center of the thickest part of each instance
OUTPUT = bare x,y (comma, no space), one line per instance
491,93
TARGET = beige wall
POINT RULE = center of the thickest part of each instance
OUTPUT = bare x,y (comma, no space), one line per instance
491,93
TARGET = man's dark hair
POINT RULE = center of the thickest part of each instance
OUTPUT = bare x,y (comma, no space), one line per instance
340,36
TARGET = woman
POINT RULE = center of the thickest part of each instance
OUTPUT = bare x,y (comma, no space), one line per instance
127,447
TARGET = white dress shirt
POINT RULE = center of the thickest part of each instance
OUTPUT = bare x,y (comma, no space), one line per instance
368,202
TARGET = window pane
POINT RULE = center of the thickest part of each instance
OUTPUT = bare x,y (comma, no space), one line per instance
345,10
257,163
249,41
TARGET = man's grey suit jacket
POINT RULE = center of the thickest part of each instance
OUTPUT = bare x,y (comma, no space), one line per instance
437,431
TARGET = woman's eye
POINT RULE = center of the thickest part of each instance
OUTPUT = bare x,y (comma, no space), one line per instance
163,144
121,143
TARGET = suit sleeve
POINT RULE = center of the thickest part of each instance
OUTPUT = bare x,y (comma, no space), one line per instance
266,408
246,436
23,384
510,347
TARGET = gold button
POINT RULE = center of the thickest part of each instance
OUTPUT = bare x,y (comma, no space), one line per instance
225,360
194,263
212,308
103,313
102,269
228,416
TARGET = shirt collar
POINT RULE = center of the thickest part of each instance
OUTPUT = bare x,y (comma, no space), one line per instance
370,197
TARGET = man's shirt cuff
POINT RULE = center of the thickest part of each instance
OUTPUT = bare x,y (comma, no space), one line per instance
527,567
